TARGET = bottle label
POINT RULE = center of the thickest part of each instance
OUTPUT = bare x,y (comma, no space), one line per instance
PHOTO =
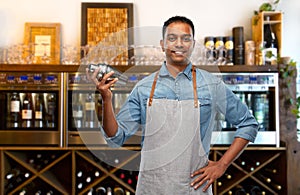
15,106
219,44
77,113
209,44
90,106
38,115
26,114
270,55
229,45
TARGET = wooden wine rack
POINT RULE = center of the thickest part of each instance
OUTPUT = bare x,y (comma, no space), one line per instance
263,168
60,174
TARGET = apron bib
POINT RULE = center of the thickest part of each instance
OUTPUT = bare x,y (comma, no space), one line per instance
172,147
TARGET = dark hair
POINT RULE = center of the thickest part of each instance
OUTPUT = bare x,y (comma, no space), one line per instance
173,19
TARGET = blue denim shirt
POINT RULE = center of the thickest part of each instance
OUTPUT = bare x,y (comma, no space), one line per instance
213,96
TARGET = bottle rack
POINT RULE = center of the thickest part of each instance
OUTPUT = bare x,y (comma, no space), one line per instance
258,169
83,171
258,22
71,171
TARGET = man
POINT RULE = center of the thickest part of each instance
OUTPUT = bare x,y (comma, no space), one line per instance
175,108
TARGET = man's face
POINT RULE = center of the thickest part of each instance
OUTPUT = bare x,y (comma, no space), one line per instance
178,43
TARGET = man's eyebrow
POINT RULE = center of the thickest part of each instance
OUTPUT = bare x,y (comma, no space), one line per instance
173,34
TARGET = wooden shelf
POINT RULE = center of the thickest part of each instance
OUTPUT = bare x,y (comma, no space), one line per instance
75,68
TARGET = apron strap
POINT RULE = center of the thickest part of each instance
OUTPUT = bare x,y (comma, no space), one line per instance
152,89
194,88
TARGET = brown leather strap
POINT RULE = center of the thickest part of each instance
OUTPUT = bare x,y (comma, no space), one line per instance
195,87
152,89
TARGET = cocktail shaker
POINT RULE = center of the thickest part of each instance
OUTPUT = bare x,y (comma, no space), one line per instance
104,69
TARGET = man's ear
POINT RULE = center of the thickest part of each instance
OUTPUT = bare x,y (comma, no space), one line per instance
162,45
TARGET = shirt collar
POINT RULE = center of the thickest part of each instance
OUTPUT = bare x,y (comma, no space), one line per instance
187,71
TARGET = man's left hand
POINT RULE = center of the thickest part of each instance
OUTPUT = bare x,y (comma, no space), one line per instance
208,174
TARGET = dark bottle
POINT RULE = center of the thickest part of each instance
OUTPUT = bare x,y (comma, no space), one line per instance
259,108
100,190
51,110
255,190
240,191
77,112
27,111
118,191
271,45
229,46
264,178
238,37
270,170
90,113
11,178
15,110
109,191
209,43
39,111
15,177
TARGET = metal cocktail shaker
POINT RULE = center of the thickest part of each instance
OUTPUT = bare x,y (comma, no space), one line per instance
104,69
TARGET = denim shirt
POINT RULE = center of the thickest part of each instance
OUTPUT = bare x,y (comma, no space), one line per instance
213,95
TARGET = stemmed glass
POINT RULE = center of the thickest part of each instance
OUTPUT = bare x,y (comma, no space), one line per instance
84,51
30,57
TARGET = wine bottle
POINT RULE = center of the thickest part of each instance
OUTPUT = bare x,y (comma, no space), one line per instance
229,46
276,186
255,190
118,191
39,192
100,190
77,111
39,111
228,176
23,192
270,170
27,111
90,192
109,191
15,108
79,179
51,110
240,191
15,177
271,45
38,161
11,177
90,111
264,178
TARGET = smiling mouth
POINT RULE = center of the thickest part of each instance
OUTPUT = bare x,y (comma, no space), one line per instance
178,52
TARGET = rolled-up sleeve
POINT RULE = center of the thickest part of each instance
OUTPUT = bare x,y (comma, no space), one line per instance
128,119
237,113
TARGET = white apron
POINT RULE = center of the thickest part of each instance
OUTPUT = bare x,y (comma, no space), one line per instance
172,147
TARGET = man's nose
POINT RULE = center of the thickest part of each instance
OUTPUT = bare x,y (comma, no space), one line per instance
178,42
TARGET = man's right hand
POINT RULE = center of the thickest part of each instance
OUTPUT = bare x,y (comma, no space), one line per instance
103,85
